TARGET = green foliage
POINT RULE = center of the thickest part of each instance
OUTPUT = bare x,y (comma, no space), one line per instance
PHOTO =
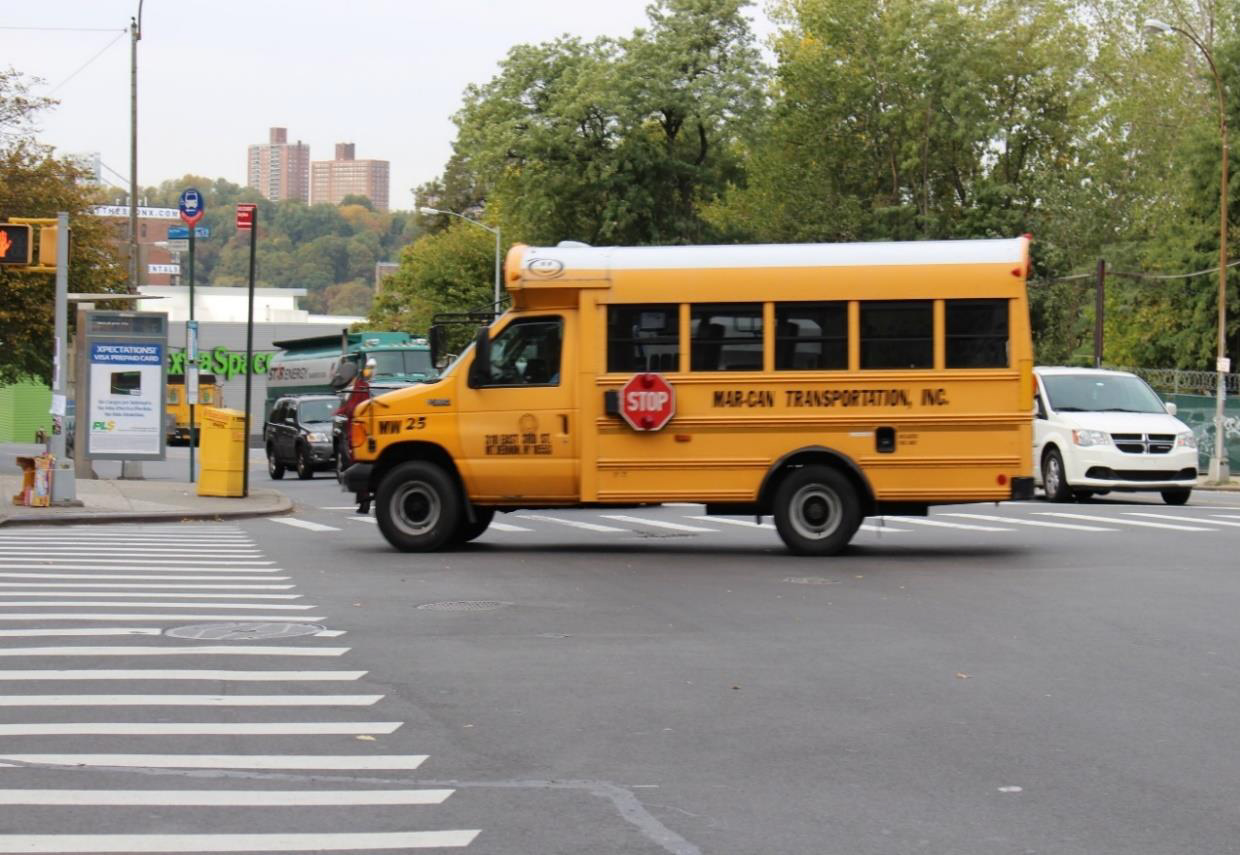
450,271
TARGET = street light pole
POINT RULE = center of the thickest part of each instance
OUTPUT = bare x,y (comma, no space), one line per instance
494,231
1220,469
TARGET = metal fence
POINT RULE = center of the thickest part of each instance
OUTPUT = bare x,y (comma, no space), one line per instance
1193,393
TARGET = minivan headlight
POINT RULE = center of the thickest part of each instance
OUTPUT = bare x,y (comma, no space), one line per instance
1086,438
1186,440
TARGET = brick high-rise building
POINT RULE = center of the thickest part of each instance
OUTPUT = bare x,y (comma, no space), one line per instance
278,169
332,180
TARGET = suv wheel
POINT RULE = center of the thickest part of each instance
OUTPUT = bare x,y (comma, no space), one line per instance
305,470
274,468
418,507
1053,479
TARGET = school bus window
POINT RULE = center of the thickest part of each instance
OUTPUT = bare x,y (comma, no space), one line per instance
205,396
527,353
811,336
643,338
977,333
174,395
726,338
897,334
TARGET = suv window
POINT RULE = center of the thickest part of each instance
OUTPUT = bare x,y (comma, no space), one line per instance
316,411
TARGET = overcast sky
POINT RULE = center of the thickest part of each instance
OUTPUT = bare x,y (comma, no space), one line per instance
214,75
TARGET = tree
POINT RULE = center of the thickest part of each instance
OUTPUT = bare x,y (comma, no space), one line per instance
444,272
35,183
357,199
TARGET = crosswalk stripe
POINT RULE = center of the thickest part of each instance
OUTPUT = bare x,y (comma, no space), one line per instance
104,543
180,674
370,762
1182,519
145,595
36,844
224,798
882,529
1119,521
499,526
161,650
146,604
97,630
149,551
168,618
251,565
371,520
1225,516
573,523
944,524
658,523
337,507
731,521
137,586
189,700
198,728
1020,521
306,524
161,578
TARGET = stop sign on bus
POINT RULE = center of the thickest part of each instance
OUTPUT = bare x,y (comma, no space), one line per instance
647,402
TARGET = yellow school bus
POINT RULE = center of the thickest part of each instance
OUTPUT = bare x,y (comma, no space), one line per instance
178,406
819,384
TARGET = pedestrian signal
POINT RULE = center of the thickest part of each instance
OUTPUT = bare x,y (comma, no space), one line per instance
16,245
47,245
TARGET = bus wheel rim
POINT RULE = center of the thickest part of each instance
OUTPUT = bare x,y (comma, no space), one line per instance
816,512
416,508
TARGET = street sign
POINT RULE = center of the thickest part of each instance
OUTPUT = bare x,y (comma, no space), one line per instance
246,214
177,244
182,233
169,269
191,363
647,402
191,206
1224,364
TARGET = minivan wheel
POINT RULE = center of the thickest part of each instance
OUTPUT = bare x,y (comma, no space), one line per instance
816,511
418,507
1053,479
1176,497
274,468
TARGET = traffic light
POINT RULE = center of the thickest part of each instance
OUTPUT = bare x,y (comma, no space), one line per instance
47,246
16,244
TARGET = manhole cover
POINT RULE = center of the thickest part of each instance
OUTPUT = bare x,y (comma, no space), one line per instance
811,580
465,606
243,631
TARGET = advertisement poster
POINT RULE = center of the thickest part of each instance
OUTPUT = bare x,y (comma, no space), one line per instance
126,390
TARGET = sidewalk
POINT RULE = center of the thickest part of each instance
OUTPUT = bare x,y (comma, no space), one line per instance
1233,484
140,501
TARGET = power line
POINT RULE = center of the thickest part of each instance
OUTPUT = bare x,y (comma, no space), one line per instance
83,66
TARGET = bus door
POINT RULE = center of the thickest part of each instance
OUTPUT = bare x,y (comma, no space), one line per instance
519,428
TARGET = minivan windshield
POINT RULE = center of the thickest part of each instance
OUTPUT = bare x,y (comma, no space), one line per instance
1100,393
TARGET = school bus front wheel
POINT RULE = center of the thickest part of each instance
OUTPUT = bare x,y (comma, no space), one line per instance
418,507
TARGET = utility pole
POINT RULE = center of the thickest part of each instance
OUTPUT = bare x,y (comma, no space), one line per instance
1099,310
135,34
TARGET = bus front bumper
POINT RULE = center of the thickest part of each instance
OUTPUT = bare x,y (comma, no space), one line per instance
356,479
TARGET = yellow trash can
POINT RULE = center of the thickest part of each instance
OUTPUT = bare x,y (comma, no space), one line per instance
222,450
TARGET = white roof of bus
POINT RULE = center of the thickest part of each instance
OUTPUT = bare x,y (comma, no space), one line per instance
1007,251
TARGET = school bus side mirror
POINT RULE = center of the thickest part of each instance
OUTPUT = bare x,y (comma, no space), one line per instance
480,368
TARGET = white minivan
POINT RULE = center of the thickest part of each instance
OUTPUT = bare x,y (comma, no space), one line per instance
1096,431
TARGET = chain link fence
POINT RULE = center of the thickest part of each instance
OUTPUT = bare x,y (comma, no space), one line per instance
1193,393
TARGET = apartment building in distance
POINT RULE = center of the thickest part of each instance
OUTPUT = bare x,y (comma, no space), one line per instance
279,169
332,180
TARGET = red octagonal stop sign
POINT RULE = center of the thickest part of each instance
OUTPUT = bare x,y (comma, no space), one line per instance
647,402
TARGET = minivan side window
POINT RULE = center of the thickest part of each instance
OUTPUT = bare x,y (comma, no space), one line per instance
726,338
643,338
897,334
811,336
977,333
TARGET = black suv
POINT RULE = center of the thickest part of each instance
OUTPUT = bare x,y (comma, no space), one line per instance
298,435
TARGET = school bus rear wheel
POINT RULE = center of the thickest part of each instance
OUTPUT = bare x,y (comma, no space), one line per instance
817,510
418,507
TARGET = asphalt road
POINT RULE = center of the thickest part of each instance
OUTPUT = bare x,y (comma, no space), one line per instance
1034,678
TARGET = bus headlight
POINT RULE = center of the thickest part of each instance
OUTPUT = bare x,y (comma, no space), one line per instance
1186,440
1086,438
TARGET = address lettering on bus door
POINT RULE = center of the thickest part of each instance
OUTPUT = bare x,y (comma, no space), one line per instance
830,398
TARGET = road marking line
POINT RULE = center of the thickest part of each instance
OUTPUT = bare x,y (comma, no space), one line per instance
198,728
170,618
1118,521
1041,523
179,674
659,523
1182,519
224,798
138,588
164,567
338,762
944,524
130,576
499,526
146,595
126,549
574,523
104,563
189,700
157,650
731,521
143,604
363,519
71,844
101,630
337,507
1225,516
178,543
882,529
330,633
306,524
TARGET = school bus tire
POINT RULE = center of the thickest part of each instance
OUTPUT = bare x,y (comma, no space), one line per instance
418,506
473,530
817,510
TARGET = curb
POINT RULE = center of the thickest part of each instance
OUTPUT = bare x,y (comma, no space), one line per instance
283,506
